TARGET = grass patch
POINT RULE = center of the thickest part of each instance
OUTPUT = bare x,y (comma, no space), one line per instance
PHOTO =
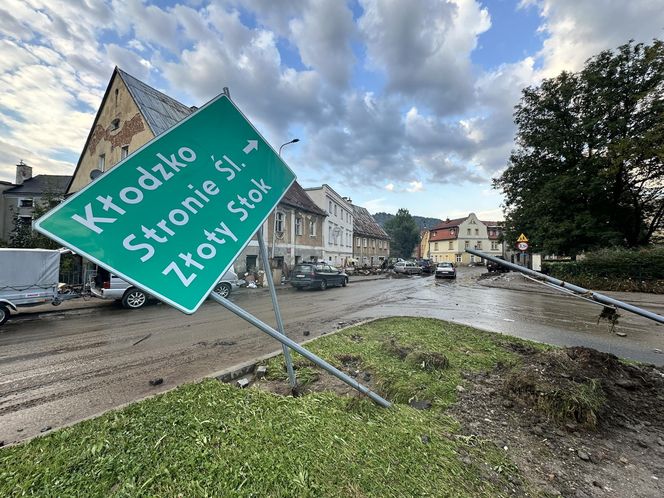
214,439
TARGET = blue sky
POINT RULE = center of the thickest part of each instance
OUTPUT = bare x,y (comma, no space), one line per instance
397,103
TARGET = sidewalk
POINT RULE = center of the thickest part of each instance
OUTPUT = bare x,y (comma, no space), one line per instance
89,304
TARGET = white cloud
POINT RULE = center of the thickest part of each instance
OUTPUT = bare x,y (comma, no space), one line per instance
415,186
390,187
577,30
424,48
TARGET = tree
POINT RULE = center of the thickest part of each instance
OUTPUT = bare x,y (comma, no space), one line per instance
588,167
403,233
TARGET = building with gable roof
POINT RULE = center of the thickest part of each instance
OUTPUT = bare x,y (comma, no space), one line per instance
371,246
132,113
19,199
449,240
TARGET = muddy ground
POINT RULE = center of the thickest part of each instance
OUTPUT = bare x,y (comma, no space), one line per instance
575,421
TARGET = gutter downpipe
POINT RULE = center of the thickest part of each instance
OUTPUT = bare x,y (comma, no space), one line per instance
595,296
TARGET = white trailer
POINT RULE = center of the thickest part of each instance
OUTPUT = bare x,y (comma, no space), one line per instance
28,277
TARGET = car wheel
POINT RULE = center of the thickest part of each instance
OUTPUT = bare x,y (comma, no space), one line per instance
4,314
323,284
134,299
344,282
223,289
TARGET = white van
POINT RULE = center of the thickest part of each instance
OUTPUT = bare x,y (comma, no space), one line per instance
105,285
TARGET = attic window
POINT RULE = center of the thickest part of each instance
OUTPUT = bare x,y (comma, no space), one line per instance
115,124
116,96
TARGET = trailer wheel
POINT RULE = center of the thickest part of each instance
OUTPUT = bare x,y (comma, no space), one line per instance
4,313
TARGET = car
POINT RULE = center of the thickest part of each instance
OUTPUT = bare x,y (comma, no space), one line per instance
407,268
445,270
317,276
493,267
106,285
427,265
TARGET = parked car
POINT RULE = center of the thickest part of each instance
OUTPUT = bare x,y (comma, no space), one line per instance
445,270
493,267
427,265
317,276
105,285
407,268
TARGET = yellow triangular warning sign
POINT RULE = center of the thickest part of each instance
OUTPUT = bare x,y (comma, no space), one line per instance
522,238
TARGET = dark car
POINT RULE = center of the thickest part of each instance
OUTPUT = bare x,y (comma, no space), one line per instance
493,267
317,276
427,266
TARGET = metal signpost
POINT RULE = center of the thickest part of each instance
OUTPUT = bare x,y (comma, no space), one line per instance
172,217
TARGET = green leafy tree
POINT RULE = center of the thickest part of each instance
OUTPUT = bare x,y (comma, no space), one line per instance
588,167
403,233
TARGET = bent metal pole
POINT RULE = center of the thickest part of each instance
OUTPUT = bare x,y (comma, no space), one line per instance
595,296
275,304
234,308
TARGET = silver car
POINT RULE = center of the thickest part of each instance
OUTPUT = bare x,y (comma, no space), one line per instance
407,267
105,285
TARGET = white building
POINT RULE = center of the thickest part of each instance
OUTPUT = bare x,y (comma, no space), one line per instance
338,226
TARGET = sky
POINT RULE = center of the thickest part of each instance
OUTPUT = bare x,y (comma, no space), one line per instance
396,103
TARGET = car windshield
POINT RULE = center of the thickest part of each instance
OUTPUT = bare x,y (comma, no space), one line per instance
445,265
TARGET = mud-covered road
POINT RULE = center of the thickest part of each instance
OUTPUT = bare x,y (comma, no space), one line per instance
57,370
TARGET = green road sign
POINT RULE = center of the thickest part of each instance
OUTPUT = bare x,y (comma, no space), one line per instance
172,217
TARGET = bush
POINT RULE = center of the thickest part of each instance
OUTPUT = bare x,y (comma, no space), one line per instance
615,269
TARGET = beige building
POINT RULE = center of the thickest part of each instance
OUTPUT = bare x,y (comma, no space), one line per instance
132,113
449,240
338,230
372,244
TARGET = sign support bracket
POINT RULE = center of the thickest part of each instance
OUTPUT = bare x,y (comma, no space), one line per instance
275,305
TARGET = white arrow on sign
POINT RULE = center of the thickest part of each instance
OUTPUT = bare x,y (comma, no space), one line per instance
251,145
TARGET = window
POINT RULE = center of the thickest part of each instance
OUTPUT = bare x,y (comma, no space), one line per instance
458,258
357,242
298,226
435,246
102,162
26,203
479,245
468,230
494,246
25,220
466,244
373,243
349,238
124,151
312,228
329,235
279,222
364,242
330,207
115,124
116,96
335,210
450,245
477,231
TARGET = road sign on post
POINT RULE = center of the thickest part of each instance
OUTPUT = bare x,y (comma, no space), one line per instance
172,217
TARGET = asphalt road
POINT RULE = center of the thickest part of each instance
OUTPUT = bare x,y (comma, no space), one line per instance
65,367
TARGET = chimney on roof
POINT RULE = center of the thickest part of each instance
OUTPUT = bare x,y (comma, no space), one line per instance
23,172
447,220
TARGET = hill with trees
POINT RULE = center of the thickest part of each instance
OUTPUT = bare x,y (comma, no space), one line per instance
422,222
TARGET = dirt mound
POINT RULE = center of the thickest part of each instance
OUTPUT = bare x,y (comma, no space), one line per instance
588,387
577,422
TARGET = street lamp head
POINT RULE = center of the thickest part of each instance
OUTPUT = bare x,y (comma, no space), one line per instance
295,140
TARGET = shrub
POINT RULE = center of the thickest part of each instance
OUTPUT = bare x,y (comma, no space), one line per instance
615,269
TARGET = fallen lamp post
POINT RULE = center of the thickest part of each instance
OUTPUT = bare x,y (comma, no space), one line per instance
588,294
